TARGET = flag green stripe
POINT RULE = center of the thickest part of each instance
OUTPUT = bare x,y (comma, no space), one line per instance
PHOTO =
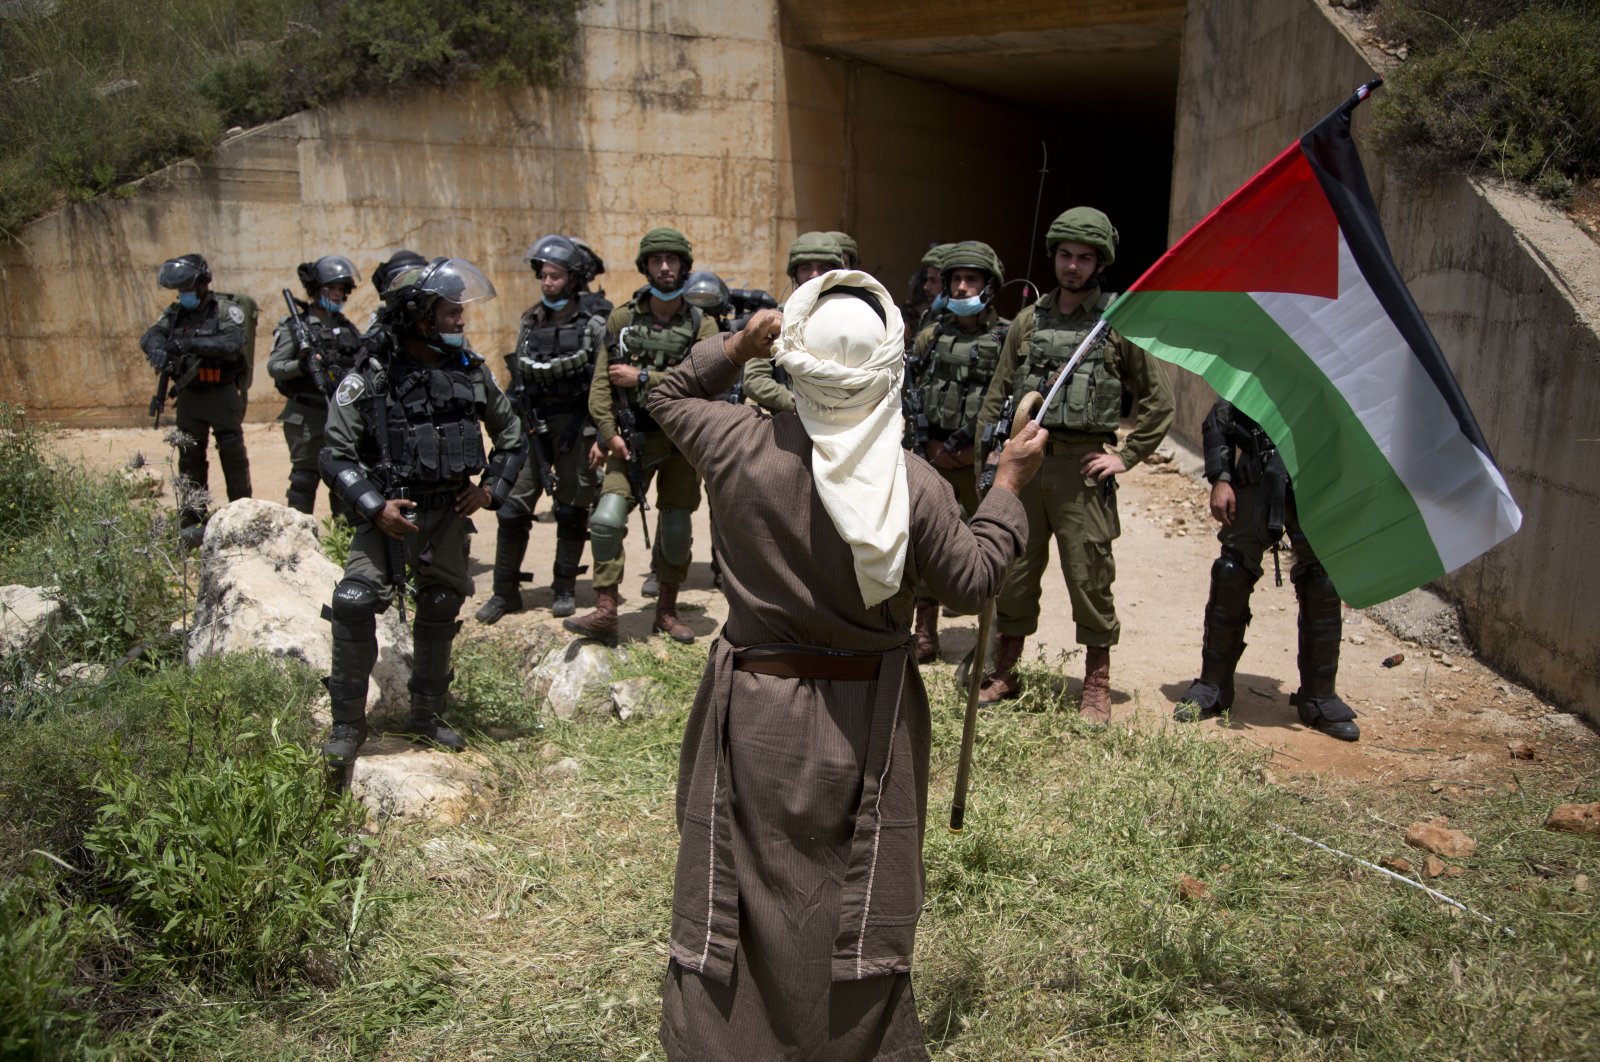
1359,516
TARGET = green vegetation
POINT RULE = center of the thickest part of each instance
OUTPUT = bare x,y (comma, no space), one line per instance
174,882
1509,89
94,93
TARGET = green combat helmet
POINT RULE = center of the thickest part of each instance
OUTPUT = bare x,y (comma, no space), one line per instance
815,247
665,241
1084,225
935,256
972,254
847,244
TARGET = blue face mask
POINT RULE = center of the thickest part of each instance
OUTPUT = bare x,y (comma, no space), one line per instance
555,304
665,296
329,305
188,300
453,339
966,307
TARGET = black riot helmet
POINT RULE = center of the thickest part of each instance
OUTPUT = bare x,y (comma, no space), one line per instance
559,251
385,273
596,265
415,289
184,272
330,269
705,290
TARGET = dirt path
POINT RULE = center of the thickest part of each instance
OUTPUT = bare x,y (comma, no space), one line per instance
1440,719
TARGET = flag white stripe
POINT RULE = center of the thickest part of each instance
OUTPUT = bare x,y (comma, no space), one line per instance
1461,495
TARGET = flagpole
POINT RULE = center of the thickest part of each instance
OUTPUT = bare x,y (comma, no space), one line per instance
1077,356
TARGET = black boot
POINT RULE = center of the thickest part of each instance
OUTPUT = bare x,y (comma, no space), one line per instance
355,650
511,543
1321,631
430,681
565,572
1227,616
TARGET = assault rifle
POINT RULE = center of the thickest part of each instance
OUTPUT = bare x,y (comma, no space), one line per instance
628,428
321,375
178,370
538,430
916,419
994,440
158,401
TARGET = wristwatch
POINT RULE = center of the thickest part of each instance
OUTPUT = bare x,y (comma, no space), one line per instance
644,377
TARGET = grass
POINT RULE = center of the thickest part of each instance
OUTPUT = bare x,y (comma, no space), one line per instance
97,93
1054,927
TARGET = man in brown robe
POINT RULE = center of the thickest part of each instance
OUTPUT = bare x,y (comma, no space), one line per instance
802,790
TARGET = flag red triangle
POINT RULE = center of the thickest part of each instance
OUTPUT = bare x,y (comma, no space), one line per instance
1276,233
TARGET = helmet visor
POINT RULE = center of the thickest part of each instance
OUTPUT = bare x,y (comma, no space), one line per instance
336,269
180,274
456,280
706,291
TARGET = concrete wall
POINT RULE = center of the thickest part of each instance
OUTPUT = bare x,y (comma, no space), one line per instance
693,115
1497,278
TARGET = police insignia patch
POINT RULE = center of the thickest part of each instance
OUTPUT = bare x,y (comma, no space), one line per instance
350,389
236,315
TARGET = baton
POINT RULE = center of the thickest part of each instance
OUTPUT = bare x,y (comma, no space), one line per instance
1027,409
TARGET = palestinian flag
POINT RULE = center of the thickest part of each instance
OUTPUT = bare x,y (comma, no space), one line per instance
1287,300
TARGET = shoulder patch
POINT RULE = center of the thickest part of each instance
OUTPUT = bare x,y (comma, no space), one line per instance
235,314
350,388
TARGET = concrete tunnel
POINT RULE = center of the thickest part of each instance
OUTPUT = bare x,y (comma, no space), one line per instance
1087,92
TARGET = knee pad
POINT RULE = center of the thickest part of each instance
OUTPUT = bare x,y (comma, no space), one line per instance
572,523
607,525
304,480
675,535
516,521
1229,570
1312,584
438,605
355,608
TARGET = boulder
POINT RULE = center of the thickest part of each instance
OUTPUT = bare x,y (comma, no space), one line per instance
263,583
635,698
576,679
27,615
395,779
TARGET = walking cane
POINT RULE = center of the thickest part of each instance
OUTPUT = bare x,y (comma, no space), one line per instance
1027,409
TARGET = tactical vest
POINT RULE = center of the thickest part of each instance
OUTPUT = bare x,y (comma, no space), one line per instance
435,438
648,344
1255,449
225,311
554,363
957,373
1091,400
340,343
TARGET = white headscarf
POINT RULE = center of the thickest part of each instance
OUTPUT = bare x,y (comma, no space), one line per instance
846,365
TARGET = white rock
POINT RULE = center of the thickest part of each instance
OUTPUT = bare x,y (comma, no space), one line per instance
576,679
396,779
86,674
635,697
27,615
263,584
566,767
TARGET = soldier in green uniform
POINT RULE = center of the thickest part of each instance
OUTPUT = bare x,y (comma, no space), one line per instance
205,343
1252,498
404,439
956,357
307,377
811,254
847,247
551,369
1074,496
646,338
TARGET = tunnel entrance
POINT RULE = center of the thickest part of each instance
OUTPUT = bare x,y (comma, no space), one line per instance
948,117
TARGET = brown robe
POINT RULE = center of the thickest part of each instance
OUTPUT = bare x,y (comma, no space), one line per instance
802,802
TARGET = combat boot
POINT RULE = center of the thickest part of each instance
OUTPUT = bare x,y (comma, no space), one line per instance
1321,631
1003,683
1094,707
344,740
600,624
667,621
927,630
426,727
1227,616
652,585
511,542
564,582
